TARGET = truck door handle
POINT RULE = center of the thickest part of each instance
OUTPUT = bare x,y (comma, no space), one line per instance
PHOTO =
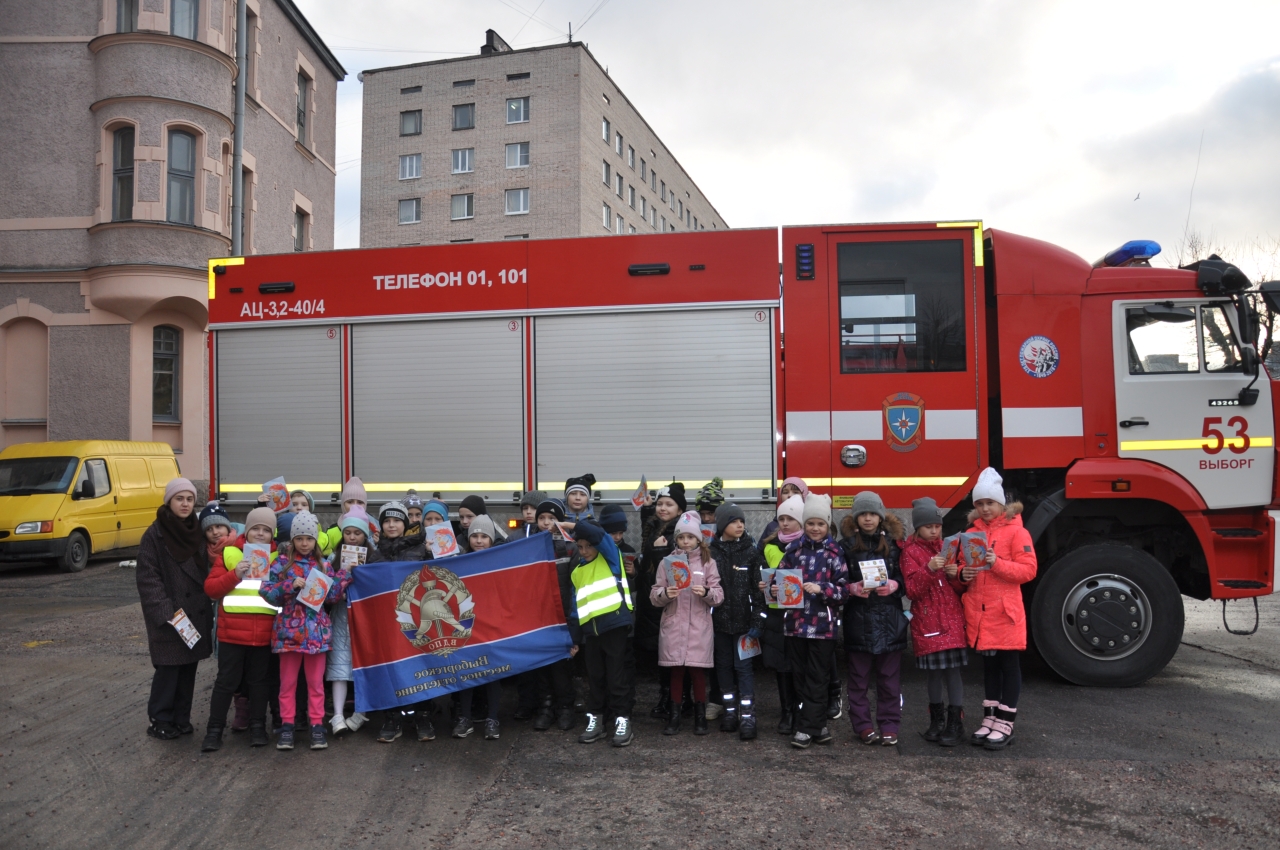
853,456
1135,421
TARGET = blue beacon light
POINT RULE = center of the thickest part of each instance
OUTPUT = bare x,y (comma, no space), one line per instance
1133,253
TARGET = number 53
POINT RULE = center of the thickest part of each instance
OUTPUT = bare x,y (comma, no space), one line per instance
1210,432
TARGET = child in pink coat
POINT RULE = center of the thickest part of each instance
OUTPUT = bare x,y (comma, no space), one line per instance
686,638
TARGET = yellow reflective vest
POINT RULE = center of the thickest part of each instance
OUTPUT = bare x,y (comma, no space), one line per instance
244,598
602,597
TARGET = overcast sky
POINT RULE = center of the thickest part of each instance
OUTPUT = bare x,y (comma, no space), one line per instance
1044,118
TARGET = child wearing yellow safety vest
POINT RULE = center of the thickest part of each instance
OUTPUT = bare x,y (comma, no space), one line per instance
604,610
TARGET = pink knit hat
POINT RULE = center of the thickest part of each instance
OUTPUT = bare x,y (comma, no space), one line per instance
261,516
353,489
176,486
689,523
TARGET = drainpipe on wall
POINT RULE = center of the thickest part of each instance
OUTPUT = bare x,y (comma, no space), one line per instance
237,143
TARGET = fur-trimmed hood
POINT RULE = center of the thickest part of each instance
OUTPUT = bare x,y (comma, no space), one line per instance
1011,510
891,525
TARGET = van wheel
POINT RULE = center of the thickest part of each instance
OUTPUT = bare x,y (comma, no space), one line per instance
77,555
1107,615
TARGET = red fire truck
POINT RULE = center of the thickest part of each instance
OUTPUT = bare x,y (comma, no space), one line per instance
1120,401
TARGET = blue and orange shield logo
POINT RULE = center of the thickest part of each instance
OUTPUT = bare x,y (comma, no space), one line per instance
904,417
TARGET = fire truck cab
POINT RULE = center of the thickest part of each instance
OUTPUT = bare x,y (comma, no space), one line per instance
1121,402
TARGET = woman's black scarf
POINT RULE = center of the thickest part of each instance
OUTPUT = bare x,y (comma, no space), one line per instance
182,537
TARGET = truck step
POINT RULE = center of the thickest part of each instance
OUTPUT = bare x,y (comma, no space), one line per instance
1237,532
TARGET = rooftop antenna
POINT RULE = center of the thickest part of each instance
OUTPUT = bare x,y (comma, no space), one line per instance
571,32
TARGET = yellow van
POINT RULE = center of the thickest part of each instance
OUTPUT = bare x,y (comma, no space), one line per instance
65,501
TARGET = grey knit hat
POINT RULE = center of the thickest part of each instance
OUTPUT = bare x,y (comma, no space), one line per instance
726,514
867,502
305,524
533,498
925,512
394,509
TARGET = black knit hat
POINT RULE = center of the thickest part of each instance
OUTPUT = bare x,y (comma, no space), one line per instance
726,514
675,492
613,518
586,482
555,507
475,504
212,515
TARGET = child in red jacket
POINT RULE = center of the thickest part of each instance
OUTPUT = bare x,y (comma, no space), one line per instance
244,633
995,621
937,622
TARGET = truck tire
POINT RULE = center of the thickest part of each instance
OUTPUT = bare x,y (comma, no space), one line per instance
77,555
1107,615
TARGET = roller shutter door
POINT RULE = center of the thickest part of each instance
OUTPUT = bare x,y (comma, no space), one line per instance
279,409
684,395
439,406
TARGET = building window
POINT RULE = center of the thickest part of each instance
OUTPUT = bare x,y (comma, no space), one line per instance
653,180
303,87
462,84
182,177
644,207
631,228
604,128
300,229
127,15
608,217
183,18
617,143
518,155
411,123
411,90
671,200
681,203
165,348
619,225
517,201
607,172
517,110
631,156
663,193
463,159
653,216
464,116
410,166
122,174
462,206
695,222
521,76
411,211
664,224
631,197
618,187
644,171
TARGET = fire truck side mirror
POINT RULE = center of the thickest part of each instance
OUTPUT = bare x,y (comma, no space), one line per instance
1270,291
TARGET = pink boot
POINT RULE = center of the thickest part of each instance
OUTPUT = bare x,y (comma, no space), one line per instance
980,734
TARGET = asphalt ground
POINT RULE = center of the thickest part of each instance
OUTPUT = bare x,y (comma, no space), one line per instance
1190,759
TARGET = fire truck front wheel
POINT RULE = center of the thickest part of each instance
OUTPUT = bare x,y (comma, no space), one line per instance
1107,615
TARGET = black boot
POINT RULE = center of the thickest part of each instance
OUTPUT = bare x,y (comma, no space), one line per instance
746,719
663,708
729,720
700,718
786,723
953,733
213,736
673,720
258,733
937,720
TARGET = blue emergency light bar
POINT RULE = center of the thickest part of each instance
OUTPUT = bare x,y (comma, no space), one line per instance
1132,252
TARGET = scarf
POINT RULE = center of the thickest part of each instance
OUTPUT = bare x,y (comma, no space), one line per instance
790,537
183,537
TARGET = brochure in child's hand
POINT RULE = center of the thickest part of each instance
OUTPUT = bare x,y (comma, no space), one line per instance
748,647
874,574
353,556
186,629
441,540
278,494
677,567
766,576
973,550
790,588
258,557
315,589
708,532
950,549
638,497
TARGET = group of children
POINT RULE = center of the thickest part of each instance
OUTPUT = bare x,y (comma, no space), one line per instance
701,606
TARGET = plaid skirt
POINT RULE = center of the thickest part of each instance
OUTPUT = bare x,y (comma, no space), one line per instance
990,652
944,659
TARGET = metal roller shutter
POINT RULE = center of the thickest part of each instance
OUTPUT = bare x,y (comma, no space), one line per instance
439,406
279,410
684,395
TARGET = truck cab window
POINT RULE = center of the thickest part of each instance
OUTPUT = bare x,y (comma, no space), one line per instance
902,306
1158,345
1221,354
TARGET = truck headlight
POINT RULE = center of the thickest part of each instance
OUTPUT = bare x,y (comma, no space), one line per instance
45,527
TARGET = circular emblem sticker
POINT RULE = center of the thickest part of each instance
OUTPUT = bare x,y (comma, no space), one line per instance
1038,356
435,611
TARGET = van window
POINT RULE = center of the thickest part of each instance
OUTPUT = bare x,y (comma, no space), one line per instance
133,473
94,471
902,306
163,470
24,476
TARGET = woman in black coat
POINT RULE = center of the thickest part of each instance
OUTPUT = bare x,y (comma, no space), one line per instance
172,564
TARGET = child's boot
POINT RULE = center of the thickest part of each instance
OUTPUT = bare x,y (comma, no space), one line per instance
1001,734
258,733
746,719
937,721
785,723
673,720
700,718
953,733
390,727
660,711
729,720
285,739
979,736
318,739
240,722
213,736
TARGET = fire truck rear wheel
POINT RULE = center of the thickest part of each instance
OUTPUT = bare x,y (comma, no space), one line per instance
1107,615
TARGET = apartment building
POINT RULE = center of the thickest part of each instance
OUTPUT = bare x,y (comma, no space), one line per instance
514,144
115,191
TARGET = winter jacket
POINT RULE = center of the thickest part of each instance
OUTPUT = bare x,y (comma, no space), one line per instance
607,563
406,548
821,562
875,624
993,614
337,666
937,615
648,615
738,563
236,627
297,628
687,638
773,643
164,586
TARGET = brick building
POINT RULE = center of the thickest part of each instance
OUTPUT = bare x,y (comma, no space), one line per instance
510,144
115,156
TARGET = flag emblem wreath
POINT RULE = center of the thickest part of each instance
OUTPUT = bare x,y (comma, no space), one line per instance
435,610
